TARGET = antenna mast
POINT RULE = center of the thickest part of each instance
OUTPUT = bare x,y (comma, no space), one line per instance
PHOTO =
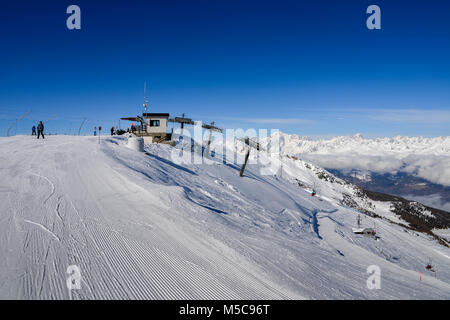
145,105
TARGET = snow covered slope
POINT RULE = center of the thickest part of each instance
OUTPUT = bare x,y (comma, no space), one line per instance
140,226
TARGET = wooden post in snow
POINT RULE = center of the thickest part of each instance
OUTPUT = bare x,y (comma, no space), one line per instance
208,144
182,125
211,128
250,144
241,173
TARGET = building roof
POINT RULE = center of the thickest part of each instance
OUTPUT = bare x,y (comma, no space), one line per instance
130,119
164,115
364,231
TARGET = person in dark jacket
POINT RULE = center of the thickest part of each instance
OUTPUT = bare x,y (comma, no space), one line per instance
40,130
33,131
112,131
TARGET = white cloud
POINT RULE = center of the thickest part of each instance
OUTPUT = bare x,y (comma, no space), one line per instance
268,120
433,168
354,161
412,116
277,120
429,167
432,200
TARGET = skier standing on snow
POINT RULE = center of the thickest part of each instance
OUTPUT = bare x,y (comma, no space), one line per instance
33,131
112,131
40,130
95,131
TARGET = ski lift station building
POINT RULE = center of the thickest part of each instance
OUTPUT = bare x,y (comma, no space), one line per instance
153,128
156,125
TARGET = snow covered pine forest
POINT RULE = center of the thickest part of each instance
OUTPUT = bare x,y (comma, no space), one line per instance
140,226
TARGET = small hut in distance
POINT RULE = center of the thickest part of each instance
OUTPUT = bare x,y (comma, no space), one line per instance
364,231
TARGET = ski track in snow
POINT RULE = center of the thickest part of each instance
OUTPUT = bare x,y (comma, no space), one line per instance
139,226
43,228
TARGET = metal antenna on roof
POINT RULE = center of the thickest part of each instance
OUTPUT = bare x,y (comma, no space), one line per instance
145,97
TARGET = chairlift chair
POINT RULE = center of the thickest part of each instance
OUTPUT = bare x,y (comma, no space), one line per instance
429,266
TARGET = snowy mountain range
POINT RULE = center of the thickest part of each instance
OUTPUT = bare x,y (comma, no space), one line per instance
412,167
144,226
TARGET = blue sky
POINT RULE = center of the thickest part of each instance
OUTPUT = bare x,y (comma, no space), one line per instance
305,67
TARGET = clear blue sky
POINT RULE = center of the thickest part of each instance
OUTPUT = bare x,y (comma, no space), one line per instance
305,67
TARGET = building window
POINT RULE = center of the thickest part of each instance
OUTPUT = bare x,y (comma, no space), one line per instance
154,123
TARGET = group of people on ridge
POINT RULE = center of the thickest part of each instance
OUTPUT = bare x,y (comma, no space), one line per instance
40,130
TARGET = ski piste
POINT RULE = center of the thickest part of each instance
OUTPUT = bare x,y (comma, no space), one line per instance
140,226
